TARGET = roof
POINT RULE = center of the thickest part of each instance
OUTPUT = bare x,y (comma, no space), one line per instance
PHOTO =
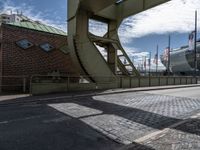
38,27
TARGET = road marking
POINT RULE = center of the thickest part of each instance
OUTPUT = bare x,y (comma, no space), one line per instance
162,132
21,119
4,122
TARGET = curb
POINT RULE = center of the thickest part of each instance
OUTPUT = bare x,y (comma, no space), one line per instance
150,89
73,96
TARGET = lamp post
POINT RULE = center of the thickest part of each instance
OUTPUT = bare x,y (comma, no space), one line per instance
169,48
157,60
195,45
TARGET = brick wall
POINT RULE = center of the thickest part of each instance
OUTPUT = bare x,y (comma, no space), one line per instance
33,61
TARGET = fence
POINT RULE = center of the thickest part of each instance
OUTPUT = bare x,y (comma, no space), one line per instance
50,84
131,82
14,84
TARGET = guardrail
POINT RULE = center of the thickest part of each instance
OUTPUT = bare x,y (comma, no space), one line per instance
51,83
14,84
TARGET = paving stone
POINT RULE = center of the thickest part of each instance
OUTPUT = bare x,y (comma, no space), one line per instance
128,116
75,110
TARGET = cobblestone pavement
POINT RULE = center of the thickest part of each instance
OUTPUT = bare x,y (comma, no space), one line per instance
183,137
130,116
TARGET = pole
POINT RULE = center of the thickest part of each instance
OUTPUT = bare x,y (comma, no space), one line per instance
149,68
157,60
169,48
145,65
142,64
149,63
195,45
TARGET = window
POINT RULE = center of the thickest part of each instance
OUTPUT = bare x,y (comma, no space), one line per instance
46,47
65,49
25,44
119,1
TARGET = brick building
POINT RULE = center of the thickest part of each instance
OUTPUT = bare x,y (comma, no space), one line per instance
28,48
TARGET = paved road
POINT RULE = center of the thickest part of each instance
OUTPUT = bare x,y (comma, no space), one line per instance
39,127
191,92
153,120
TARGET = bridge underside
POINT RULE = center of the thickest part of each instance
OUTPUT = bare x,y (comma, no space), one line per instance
83,44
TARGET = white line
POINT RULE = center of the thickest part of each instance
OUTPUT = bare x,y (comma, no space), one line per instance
163,131
21,119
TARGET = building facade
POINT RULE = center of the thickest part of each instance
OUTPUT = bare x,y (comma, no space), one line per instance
10,18
28,49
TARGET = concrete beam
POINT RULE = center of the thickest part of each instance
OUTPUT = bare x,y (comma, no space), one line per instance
132,7
96,6
128,8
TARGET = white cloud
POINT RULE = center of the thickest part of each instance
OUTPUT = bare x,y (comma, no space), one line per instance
174,16
28,11
97,28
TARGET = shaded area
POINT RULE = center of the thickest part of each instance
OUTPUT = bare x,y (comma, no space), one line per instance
192,126
176,139
48,98
41,127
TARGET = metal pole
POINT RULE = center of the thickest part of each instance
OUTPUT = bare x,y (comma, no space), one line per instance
157,60
169,48
149,63
149,68
145,65
195,44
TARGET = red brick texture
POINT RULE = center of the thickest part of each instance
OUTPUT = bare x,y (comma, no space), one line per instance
16,61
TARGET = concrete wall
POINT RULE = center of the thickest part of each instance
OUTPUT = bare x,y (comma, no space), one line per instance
121,82
46,88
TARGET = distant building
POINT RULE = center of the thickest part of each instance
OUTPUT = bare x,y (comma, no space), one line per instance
10,18
29,48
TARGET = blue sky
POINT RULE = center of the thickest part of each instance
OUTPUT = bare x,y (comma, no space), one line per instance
139,34
49,11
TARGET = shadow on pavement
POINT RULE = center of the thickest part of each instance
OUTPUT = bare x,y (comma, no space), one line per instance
44,128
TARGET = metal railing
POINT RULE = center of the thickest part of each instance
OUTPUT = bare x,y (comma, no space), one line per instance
14,84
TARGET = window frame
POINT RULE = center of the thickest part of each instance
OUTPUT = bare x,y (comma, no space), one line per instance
19,45
47,51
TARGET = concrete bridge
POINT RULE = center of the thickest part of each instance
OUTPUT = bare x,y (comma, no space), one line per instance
82,43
